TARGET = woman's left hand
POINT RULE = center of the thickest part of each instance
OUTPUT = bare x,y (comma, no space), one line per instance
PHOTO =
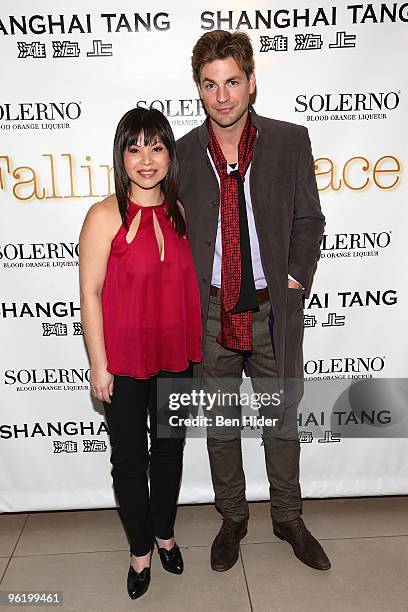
102,384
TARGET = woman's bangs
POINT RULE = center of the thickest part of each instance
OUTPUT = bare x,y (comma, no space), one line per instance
149,132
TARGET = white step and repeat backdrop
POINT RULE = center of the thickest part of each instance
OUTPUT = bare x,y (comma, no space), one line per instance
70,70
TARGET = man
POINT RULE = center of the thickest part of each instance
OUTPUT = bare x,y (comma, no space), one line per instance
254,220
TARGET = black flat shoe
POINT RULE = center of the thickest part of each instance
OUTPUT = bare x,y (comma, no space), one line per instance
171,560
138,582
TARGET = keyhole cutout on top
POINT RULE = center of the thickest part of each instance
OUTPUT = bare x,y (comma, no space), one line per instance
159,236
134,226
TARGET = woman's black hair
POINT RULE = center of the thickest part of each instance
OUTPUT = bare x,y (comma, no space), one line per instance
154,126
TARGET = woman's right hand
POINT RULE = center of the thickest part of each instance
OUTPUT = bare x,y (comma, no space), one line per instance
101,224
101,384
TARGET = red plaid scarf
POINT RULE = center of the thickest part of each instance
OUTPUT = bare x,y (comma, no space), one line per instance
236,329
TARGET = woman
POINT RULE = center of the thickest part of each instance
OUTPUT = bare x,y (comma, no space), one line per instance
142,326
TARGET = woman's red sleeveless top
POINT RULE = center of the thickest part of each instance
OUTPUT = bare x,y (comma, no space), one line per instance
150,299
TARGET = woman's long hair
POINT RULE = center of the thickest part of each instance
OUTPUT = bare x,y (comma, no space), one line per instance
153,125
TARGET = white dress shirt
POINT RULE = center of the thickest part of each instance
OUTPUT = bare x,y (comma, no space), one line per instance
259,275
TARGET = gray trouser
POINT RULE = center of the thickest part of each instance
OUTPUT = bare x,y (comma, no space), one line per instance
223,368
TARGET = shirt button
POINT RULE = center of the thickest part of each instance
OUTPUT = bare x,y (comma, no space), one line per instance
214,203
207,243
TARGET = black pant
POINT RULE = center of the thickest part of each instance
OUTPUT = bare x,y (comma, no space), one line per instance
144,516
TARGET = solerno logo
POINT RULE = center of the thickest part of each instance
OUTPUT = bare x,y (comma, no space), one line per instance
48,379
347,102
39,255
181,111
362,244
40,111
347,106
344,367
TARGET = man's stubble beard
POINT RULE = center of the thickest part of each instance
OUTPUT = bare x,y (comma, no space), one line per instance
223,125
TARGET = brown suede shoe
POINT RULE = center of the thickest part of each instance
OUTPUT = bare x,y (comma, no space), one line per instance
225,548
306,548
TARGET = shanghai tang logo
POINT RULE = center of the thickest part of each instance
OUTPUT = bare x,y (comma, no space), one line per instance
32,310
66,27
282,18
